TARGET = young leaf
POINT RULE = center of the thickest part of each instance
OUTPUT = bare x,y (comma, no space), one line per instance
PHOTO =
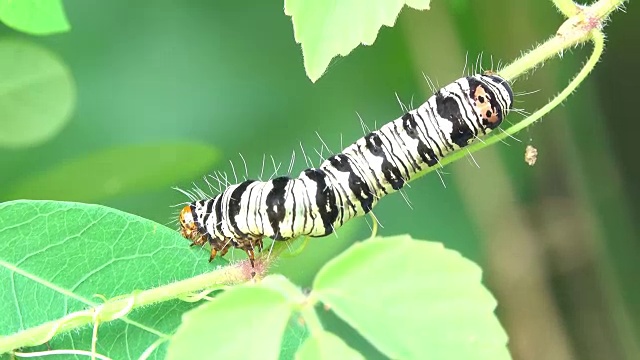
327,346
34,16
413,300
55,256
294,336
117,171
326,29
37,94
245,322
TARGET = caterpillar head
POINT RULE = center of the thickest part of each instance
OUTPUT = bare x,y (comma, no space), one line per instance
188,226
493,99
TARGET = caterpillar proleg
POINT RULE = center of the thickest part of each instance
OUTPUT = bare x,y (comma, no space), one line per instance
351,183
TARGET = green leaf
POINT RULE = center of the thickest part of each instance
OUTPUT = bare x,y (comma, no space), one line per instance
55,256
413,300
326,29
118,171
37,94
38,17
325,345
294,336
245,322
311,254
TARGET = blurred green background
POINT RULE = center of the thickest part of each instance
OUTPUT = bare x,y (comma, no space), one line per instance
139,97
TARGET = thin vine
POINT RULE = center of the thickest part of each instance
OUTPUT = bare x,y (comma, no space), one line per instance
583,24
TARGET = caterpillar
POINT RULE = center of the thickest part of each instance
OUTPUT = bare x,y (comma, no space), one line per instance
351,183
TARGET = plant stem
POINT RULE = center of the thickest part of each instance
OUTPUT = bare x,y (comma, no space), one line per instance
598,42
118,307
575,30
567,7
581,27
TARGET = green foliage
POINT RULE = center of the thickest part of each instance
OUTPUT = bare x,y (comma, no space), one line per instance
430,297
118,171
381,283
37,94
326,29
55,256
326,346
374,286
36,17
250,314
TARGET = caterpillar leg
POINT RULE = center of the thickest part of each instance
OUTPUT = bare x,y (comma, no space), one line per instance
198,241
249,245
219,246
213,254
252,256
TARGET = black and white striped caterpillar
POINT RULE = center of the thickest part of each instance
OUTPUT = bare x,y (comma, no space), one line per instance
349,184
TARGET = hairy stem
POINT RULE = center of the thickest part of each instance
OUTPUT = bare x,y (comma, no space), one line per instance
575,30
581,27
118,307
598,42
567,7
